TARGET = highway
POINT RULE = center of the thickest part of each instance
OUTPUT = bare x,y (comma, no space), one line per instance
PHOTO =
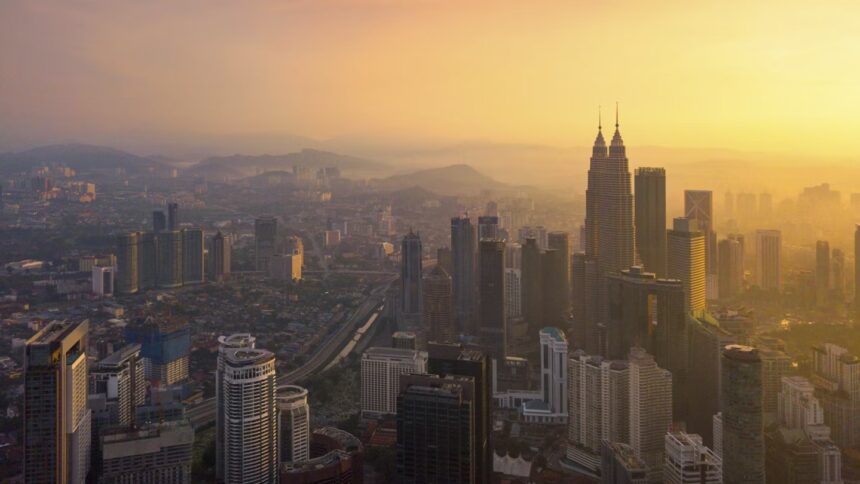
203,413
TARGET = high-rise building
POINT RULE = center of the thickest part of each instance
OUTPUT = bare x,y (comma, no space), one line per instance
404,340
822,273
381,369
513,294
538,233
158,452
532,284
294,422
119,381
103,280
650,207
686,262
159,221
768,245
731,267
250,417
410,279
165,345
57,421
621,465
193,266
172,216
127,264
286,267
688,461
706,342
775,364
488,227
742,418
220,256
559,293
464,254
699,207
857,271
599,407
837,274
438,305
170,259
443,258
453,360
147,260
225,343
435,416
836,376
609,229
265,235
553,374
492,328
650,410
514,256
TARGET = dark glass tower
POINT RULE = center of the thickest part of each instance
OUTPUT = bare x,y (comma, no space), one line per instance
650,213
491,290
410,277
463,255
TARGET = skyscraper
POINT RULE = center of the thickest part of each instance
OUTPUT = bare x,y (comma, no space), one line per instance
742,418
837,274
463,255
250,417
608,223
225,343
513,294
822,273
410,279
127,263
172,216
192,256
120,381
650,206
857,271
434,417
147,260
491,298
294,421
687,262
165,345
650,410
554,381
774,365
159,221
488,227
220,256
532,285
706,340
731,266
836,376
699,206
556,268
438,305
381,369
170,259
57,422
265,234
768,245
159,452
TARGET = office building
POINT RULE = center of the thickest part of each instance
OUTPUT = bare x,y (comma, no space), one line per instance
438,305
699,208
404,340
686,263
491,298
552,407
165,345
609,229
538,233
147,261
434,417
220,256
453,360
703,389
159,221
774,365
650,218
57,422
119,381
599,407
443,258
286,267
513,294
768,245
225,343
410,279
822,273
294,422
172,216
170,259
381,369
127,247
857,271
488,228
193,266
250,428
533,285
464,249
103,280
265,235
688,461
650,410
621,465
743,450
837,274
836,376
514,256
558,294
731,267
159,452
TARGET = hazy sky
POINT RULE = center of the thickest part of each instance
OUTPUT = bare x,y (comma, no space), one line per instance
771,75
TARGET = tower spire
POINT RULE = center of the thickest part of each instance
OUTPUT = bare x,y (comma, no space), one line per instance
599,119
616,114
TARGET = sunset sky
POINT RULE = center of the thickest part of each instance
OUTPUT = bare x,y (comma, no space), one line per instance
769,75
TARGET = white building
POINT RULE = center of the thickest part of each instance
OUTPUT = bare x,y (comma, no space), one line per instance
552,403
688,461
513,294
294,422
718,434
226,343
380,377
650,410
250,417
103,280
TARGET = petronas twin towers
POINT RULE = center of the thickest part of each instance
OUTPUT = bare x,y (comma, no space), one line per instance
609,238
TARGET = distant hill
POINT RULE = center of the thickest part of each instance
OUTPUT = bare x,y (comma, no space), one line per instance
241,166
82,157
457,179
